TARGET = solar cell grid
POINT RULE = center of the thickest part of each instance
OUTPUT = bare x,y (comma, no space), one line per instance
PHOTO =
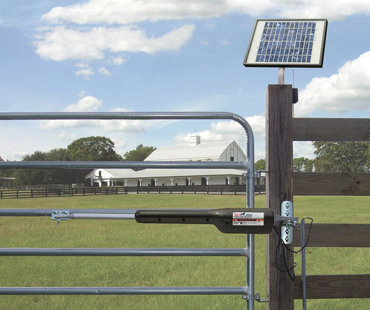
290,42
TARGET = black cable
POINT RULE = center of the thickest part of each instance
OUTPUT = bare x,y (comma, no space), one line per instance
285,247
285,268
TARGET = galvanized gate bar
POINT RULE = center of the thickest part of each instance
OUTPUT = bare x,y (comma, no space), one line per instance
249,290
121,252
49,212
122,115
123,290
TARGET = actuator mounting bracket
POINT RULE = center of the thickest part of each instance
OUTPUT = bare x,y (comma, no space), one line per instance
288,223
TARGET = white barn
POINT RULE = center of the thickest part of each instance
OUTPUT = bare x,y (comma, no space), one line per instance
195,151
107,177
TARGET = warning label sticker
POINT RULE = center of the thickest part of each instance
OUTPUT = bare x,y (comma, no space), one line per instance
248,218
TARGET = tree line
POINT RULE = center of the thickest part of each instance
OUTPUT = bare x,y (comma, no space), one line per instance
95,148
330,157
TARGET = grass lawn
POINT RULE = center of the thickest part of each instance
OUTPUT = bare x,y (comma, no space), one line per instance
159,271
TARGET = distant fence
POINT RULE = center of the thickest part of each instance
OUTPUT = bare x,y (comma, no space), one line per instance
117,190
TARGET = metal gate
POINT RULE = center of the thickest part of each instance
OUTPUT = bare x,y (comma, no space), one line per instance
246,291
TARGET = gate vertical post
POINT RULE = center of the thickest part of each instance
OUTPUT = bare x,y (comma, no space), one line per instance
279,166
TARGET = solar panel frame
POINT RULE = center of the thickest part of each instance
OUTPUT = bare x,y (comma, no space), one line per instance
287,43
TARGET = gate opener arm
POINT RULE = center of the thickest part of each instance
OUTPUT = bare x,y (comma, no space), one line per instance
235,221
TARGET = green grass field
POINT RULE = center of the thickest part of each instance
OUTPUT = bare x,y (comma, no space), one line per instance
160,271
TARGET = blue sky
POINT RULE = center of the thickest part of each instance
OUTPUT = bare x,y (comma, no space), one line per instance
166,55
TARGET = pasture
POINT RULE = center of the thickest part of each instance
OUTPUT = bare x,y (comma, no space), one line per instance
160,271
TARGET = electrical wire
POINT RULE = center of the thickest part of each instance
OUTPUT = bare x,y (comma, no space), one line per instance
285,248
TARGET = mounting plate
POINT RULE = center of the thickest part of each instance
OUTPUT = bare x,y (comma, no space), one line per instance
287,226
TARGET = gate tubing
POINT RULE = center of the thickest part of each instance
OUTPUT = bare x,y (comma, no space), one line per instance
123,290
247,166
121,252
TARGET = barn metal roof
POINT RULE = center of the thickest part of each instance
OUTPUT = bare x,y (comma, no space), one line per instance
185,152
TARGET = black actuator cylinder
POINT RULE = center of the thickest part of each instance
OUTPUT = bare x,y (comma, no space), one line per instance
235,221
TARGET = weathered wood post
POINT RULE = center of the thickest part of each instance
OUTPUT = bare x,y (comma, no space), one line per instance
279,166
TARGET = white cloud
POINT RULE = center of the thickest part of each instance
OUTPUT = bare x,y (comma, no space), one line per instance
118,143
82,65
104,71
303,149
128,126
17,155
119,60
66,137
92,104
85,70
349,89
61,43
85,104
64,38
128,11
332,10
81,93
85,73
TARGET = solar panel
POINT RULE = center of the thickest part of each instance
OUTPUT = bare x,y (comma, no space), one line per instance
287,43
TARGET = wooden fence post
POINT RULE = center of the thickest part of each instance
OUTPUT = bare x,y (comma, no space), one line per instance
279,164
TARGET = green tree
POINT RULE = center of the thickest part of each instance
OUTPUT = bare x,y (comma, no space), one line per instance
260,164
34,176
139,154
58,155
84,149
5,172
61,176
90,149
302,164
342,156
93,149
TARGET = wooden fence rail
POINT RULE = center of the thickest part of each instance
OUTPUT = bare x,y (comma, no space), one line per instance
334,286
37,193
331,129
336,235
88,191
331,184
339,184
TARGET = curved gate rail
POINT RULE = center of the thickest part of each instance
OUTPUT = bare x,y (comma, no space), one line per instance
248,252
